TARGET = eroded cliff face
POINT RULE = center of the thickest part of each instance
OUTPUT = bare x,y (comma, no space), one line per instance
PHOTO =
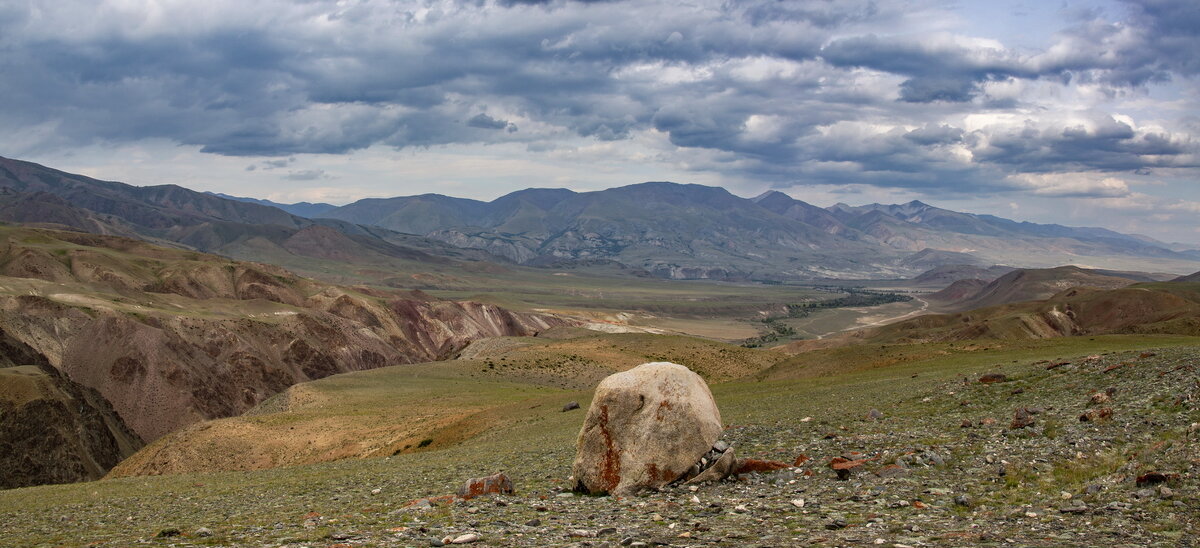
54,430
173,337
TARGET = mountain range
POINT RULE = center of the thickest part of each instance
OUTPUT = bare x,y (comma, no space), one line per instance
693,231
678,231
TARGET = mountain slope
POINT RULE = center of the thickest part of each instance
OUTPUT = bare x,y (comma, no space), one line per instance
172,336
300,209
175,216
53,430
1036,284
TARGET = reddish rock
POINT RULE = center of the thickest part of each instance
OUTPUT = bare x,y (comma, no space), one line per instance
966,423
747,466
1099,397
993,378
495,484
1154,478
1022,418
801,460
844,466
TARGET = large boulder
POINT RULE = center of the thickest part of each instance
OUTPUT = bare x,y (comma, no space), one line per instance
646,428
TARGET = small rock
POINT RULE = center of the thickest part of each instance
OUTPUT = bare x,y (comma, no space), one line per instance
376,491
1078,508
1152,478
1165,492
438,542
962,500
1022,418
169,532
1099,397
966,423
204,532
533,522
798,503
465,539
606,531
874,415
836,524
571,405
488,485
993,378
581,533
747,466
1144,493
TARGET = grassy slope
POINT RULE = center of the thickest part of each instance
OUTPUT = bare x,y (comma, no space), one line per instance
393,410
533,440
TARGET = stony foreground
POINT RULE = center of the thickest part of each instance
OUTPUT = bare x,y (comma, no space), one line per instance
941,465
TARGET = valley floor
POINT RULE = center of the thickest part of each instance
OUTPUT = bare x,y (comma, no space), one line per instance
1058,482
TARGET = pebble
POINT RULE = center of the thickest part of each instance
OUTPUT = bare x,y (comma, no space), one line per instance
204,532
465,539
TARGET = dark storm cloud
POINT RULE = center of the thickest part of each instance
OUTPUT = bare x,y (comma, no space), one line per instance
484,121
936,71
785,92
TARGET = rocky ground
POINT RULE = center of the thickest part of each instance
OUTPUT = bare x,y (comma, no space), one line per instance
942,465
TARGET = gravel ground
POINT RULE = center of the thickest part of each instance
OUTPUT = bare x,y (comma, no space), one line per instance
928,479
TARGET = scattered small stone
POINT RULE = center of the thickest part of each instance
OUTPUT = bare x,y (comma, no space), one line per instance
204,532
465,539
836,524
606,531
1077,508
962,500
1165,492
966,423
874,414
533,522
1099,397
798,503
581,533
570,406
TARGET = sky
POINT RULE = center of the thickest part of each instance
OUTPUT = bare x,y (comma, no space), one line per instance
1078,113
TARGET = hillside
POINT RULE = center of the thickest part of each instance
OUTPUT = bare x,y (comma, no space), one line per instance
169,337
53,430
178,217
945,275
960,485
491,383
1034,284
1165,307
